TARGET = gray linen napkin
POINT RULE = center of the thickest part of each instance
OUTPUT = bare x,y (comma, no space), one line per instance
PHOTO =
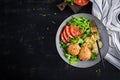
107,11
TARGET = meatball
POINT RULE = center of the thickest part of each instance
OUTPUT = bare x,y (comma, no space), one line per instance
74,49
85,54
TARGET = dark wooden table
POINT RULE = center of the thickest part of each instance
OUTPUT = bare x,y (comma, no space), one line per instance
27,43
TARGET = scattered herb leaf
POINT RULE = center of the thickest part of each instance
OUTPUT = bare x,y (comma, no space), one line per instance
98,70
53,22
43,14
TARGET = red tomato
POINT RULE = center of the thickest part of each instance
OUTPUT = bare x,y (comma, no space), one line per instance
81,2
76,32
63,39
67,30
72,30
65,36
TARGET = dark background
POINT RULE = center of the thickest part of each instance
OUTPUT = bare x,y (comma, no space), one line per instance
27,43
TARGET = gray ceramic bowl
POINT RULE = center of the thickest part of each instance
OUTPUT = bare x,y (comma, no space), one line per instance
103,35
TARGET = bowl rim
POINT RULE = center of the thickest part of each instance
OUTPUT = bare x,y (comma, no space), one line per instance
102,26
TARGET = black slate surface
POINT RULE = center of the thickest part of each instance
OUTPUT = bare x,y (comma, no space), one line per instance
27,43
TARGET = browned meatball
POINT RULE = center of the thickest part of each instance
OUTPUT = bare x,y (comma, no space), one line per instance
85,54
74,49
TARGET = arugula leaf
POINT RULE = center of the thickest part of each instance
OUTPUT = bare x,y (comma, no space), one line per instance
94,56
67,55
63,45
72,59
77,40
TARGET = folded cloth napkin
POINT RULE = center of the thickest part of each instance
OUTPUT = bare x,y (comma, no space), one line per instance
107,11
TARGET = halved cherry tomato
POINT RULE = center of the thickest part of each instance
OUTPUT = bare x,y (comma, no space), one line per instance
63,39
76,32
67,30
81,2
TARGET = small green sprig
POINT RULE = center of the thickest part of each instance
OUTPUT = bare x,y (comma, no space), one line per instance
70,1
